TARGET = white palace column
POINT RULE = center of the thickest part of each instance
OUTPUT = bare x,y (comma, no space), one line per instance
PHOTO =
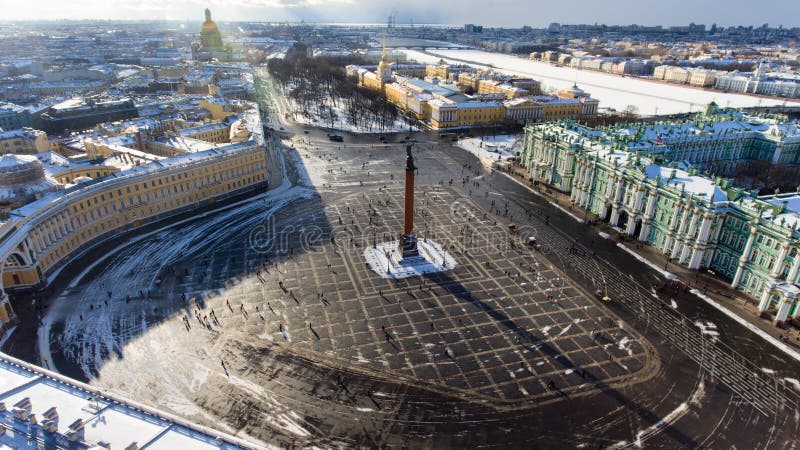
792,276
577,185
669,240
648,216
587,186
637,205
677,231
784,307
764,302
688,236
698,249
745,256
776,271
615,205
637,210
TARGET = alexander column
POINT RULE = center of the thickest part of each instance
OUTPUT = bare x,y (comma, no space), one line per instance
408,241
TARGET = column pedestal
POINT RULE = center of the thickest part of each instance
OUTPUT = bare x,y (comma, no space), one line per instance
408,246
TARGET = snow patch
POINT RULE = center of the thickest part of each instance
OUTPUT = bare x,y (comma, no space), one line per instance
562,209
384,260
758,331
667,275
794,382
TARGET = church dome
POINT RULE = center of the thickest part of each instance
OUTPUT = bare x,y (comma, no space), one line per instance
209,25
209,33
573,92
576,91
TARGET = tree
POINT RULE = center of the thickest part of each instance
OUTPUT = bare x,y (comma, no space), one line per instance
630,111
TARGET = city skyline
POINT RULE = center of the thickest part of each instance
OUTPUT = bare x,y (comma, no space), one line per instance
772,12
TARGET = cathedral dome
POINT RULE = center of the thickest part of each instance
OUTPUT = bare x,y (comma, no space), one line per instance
209,33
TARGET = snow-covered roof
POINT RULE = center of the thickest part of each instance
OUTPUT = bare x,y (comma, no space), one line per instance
187,144
9,161
790,216
27,133
203,128
696,185
93,417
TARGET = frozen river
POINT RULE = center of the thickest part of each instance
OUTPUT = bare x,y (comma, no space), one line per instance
613,91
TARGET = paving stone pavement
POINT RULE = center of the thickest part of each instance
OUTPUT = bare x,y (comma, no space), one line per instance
501,325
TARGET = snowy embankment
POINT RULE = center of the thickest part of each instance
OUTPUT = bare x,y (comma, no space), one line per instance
613,91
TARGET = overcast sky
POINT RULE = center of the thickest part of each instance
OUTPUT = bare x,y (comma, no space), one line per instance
515,13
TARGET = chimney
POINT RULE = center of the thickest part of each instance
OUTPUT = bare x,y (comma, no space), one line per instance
139,143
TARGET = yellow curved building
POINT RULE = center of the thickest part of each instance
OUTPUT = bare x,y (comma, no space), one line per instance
46,234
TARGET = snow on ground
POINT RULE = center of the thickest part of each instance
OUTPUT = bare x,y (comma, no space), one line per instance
565,211
794,382
677,413
752,327
133,267
651,264
340,121
708,329
613,91
433,258
492,149
625,345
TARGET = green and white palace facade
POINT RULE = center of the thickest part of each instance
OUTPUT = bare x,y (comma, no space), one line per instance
647,180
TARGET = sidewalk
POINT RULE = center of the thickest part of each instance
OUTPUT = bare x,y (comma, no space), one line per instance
702,283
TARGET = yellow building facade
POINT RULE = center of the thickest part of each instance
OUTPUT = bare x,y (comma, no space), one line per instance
487,108
56,229
25,141
42,236
92,171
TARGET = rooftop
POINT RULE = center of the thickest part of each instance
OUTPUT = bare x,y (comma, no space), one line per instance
31,397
